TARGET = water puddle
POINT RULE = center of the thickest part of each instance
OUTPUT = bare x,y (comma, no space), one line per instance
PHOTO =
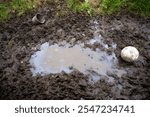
56,58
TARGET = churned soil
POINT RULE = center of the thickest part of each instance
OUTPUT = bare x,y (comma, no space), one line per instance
20,38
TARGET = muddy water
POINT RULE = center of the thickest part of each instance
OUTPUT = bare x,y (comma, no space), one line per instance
55,59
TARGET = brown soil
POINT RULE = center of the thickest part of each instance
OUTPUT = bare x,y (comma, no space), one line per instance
19,36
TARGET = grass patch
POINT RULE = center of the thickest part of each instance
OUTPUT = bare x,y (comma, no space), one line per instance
22,6
111,6
80,6
18,6
140,6
104,6
4,12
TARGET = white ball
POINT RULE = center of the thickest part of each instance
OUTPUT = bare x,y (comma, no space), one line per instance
129,54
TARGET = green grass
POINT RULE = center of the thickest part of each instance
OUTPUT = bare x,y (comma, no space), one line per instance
22,6
78,6
111,6
4,12
18,6
141,7
106,6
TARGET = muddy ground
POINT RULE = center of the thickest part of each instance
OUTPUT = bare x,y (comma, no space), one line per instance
20,38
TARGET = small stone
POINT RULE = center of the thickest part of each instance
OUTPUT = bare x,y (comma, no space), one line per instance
33,48
72,41
83,83
83,34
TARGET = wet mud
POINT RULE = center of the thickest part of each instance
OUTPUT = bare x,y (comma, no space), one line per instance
20,39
